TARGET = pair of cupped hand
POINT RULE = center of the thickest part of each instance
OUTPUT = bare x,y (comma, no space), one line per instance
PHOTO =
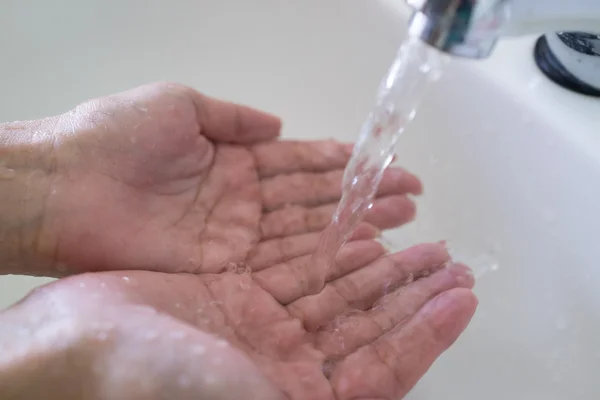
185,226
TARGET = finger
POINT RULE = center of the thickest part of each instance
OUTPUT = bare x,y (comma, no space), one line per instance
313,189
357,329
223,121
274,251
285,157
390,366
287,282
360,289
386,213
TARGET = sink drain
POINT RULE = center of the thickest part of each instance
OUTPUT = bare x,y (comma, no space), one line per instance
566,57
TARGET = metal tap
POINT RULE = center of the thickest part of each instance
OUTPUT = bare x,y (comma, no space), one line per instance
471,29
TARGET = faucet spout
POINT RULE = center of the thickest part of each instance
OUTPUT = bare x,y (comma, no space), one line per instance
471,28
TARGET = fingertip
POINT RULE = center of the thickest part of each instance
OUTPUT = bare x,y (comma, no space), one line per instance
465,275
412,183
229,122
365,231
397,180
259,125
416,186
429,255
450,313
391,212
348,148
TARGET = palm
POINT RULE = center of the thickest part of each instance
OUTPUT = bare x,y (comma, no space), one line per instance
372,332
162,179
164,191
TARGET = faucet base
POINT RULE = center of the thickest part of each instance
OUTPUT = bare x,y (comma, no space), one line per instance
554,69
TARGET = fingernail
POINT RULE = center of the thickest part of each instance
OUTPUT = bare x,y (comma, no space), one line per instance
463,274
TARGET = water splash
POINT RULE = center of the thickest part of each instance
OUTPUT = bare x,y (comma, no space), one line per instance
398,98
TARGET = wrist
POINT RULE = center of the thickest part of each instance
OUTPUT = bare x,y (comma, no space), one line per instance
27,168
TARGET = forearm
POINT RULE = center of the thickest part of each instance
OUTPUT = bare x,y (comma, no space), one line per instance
26,168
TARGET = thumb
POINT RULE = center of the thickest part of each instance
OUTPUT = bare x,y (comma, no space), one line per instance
223,121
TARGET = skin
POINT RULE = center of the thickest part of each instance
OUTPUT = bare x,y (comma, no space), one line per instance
190,228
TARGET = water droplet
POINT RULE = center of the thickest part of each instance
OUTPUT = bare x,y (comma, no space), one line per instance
126,278
412,114
222,343
494,267
7,173
81,284
178,305
425,68
239,268
199,350
386,286
433,160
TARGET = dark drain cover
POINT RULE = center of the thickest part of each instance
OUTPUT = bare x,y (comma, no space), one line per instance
554,70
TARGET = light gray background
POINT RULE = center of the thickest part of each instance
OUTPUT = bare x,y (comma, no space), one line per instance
510,162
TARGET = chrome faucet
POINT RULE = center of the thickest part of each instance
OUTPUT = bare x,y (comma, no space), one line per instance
570,47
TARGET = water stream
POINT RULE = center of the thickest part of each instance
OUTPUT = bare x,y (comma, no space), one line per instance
399,95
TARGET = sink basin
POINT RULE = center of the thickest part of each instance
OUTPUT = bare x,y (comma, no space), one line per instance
510,162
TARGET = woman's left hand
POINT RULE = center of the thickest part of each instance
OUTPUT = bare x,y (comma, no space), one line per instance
163,178
372,332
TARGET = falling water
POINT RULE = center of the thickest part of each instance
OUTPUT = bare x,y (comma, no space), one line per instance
400,93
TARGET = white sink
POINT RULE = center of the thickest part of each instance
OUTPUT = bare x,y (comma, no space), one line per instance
510,162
